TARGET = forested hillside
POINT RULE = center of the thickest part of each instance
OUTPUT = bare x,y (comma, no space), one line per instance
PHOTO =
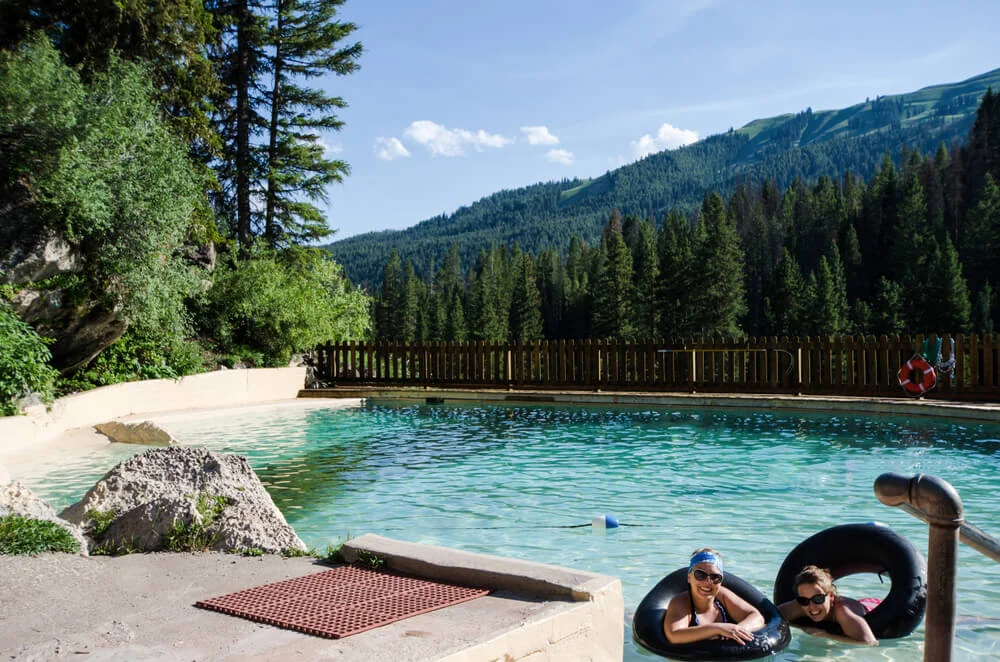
912,248
806,145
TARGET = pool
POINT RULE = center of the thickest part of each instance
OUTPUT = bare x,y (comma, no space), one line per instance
526,480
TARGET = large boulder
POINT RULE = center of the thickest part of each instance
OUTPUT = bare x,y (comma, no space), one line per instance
17,499
183,498
147,433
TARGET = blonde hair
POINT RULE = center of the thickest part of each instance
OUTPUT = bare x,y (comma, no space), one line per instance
815,575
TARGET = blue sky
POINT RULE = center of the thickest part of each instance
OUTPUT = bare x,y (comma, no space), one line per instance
458,99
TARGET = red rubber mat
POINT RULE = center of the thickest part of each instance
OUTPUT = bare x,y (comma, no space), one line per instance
340,602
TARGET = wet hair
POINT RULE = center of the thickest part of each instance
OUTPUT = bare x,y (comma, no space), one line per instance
814,575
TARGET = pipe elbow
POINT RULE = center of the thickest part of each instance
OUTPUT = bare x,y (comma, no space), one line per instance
932,496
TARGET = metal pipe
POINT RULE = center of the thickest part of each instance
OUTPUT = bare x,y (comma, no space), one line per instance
941,507
969,534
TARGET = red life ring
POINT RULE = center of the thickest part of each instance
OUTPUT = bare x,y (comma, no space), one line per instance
927,380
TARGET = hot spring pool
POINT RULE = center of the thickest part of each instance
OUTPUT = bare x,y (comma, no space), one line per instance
518,480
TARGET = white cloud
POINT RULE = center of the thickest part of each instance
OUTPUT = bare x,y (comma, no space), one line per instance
329,150
451,142
390,149
668,137
560,156
539,135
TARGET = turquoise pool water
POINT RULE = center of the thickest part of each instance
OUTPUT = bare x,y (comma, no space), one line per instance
517,480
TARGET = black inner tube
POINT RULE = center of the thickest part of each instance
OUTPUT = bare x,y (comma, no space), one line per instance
849,549
647,625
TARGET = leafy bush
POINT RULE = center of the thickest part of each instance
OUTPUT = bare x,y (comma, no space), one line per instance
136,356
20,535
280,303
24,362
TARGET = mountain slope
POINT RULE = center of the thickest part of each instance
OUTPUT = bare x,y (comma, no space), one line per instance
804,145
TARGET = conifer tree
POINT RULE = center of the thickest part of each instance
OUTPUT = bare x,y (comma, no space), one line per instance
304,44
948,296
613,313
887,317
675,287
526,303
392,285
784,306
646,271
982,311
981,237
719,300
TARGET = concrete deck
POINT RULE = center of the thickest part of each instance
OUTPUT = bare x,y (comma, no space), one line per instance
978,411
140,607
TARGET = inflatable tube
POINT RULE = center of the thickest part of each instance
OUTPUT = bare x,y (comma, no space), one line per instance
853,548
647,625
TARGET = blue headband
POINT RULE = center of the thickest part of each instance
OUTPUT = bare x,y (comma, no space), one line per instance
706,557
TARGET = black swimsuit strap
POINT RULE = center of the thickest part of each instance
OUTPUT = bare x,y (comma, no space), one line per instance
694,611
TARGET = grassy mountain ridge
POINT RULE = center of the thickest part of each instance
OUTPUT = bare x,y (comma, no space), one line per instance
801,145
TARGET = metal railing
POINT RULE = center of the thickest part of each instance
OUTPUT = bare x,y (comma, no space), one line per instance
936,502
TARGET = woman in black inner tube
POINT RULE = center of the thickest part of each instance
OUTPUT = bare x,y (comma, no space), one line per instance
707,610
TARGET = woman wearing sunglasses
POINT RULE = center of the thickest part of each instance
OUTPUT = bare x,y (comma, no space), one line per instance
816,598
708,610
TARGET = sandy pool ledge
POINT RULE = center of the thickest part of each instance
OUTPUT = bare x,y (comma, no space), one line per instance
140,606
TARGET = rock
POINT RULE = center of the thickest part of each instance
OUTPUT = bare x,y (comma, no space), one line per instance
147,433
17,499
219,495
50,256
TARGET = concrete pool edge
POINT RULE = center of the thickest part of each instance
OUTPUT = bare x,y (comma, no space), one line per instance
590,626
141,606
976,411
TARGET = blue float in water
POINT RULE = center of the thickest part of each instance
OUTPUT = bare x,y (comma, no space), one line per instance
604,522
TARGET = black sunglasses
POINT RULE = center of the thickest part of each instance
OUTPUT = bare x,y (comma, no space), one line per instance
817,599
701,575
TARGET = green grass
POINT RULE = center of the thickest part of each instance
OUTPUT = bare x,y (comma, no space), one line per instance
20,535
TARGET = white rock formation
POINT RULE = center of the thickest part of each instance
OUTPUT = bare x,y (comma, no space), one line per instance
144,432
162,489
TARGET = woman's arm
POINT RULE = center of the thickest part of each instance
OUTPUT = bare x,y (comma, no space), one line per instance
791,610
854,625
742,611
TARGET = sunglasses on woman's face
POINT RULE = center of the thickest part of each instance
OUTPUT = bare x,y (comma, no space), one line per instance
817,599
701,575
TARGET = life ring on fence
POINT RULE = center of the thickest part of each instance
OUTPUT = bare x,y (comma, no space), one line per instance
927,379
849,549
647,624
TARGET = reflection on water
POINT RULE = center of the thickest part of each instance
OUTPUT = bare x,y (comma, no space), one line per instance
519,480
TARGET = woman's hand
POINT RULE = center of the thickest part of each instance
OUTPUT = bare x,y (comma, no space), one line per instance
734,631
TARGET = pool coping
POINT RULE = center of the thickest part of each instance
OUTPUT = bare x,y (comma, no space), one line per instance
977,411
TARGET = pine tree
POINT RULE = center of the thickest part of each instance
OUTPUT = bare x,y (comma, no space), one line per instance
304,45
392,285
785,304
982,311
526,303
886,316
948,296
612,294
675,287
981,237
274,167
646,272
720,300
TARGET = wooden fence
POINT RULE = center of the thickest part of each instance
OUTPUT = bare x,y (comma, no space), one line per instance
835,366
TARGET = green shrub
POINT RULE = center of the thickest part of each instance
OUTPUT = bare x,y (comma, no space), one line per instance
276,304
20,535
136,356
24,362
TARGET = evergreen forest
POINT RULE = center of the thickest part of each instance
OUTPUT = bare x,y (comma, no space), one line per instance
912,249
